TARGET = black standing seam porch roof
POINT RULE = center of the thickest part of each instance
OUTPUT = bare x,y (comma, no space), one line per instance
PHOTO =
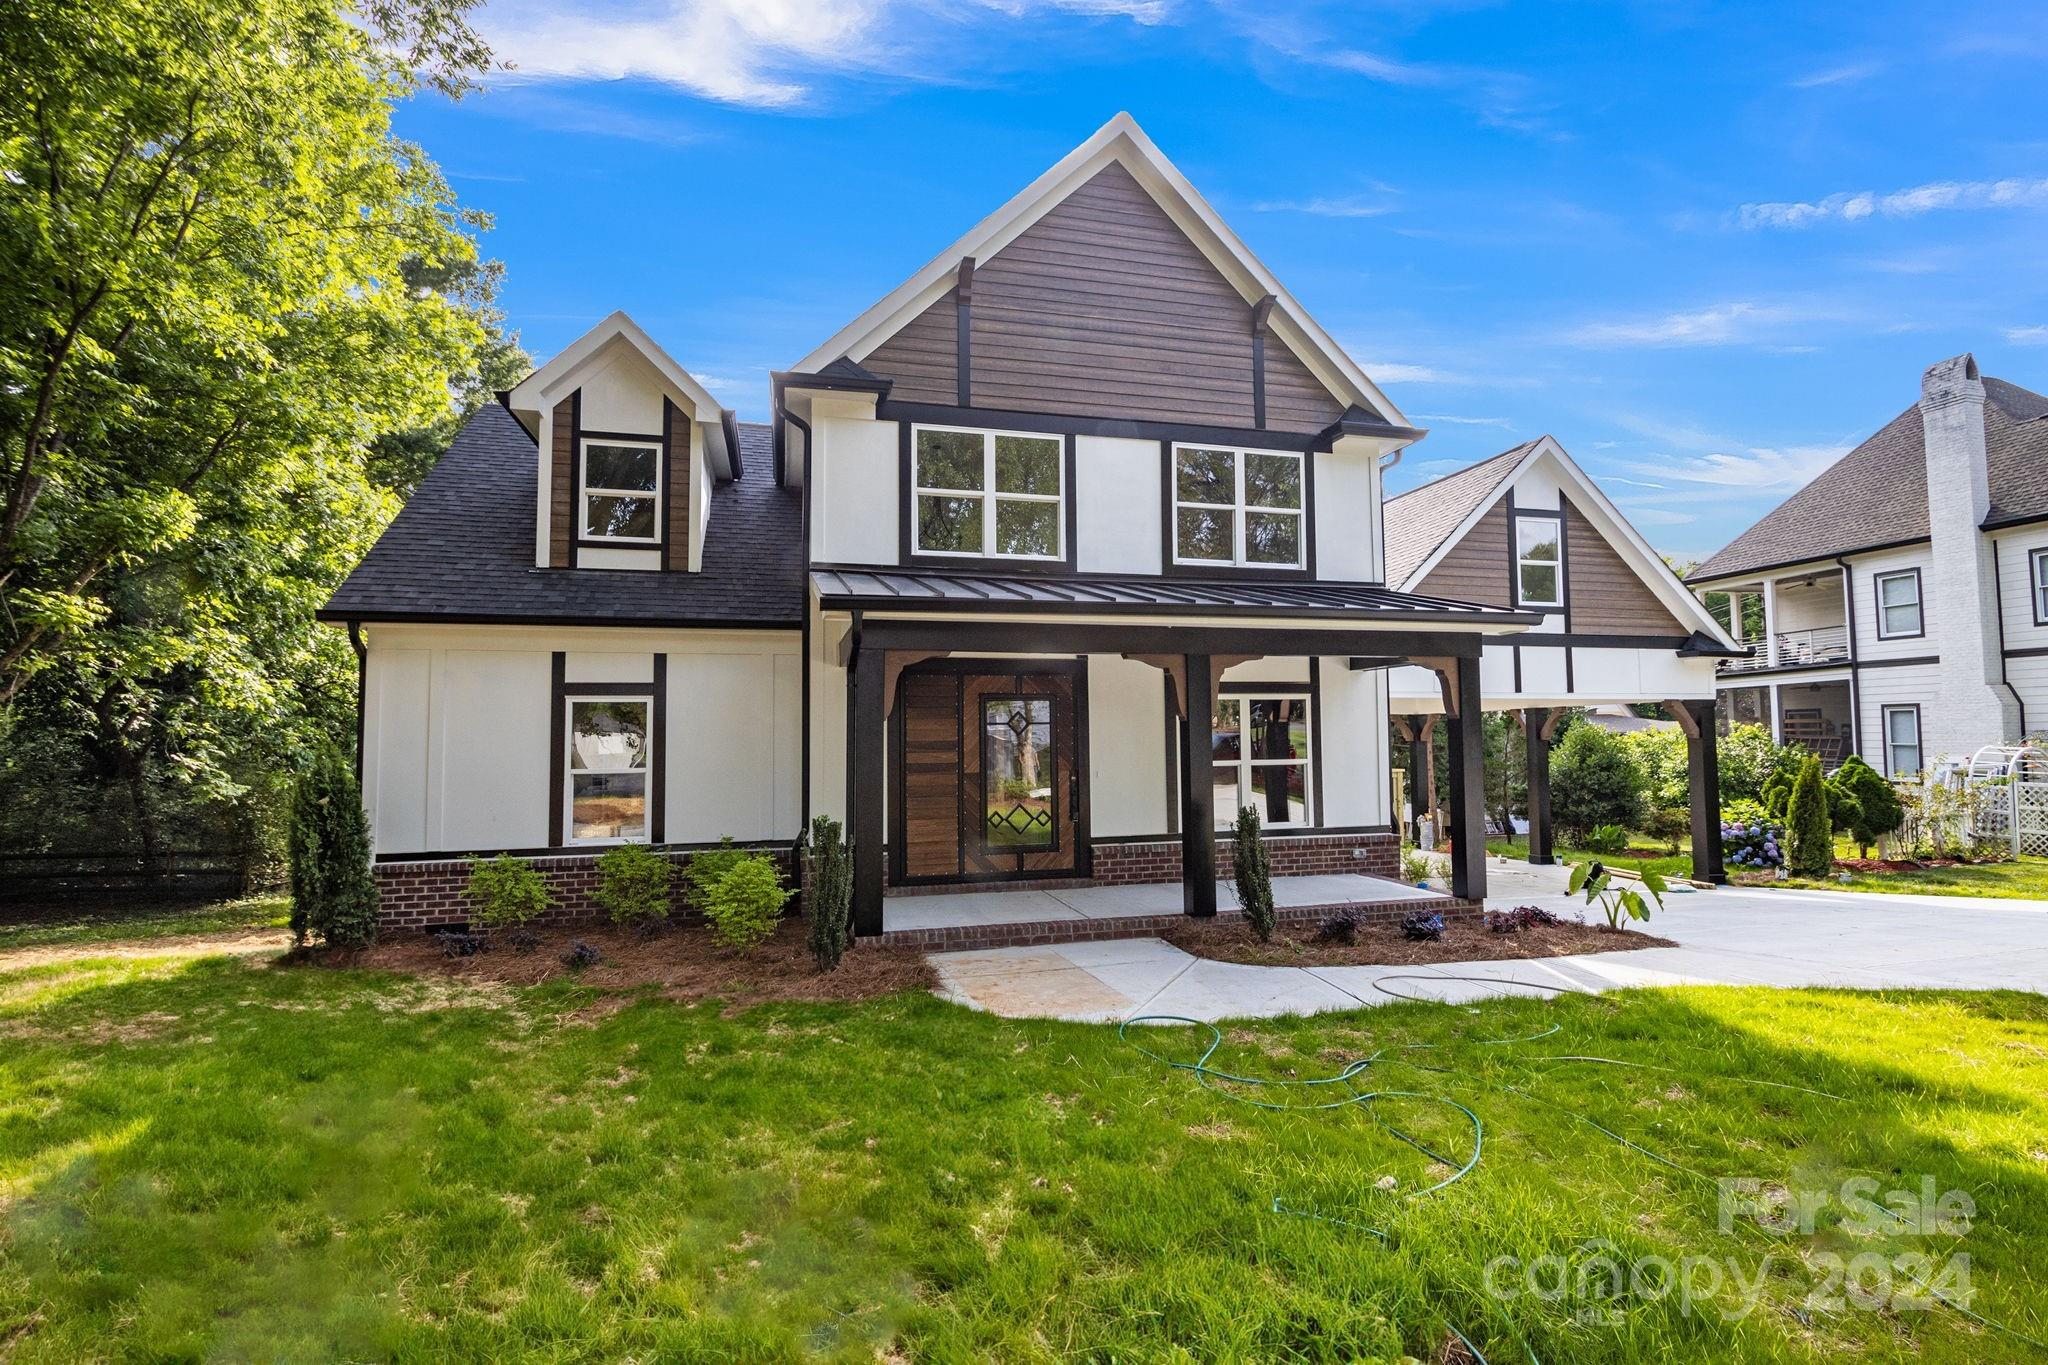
852,588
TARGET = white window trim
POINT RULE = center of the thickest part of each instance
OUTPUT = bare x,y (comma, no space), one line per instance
1884,720
590,490
1238,560
570,771
2037,572
1244,764
1522,519
1919,606
987,495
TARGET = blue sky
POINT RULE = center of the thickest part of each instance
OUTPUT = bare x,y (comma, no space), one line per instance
1708,247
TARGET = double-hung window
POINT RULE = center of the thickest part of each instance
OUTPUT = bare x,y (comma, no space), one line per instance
1539,561
988,494
622,491
1902,741
605,770
1262,759
1898,606
2037,573
1243,508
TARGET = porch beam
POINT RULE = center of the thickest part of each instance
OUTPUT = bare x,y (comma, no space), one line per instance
1248,640
1536,734
1198,794
1703,772
1468,783
866,714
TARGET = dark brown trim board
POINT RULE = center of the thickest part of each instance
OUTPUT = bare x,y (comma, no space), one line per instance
575,474
657,777
2034,561
1877,602
558,743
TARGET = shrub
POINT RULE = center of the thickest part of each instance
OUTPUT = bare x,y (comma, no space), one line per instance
1615,899
707,866
828,891
633,883
745,903
507,891
1749,759
1249,867
1812,848
1605,839
1516,920
1414,865
455,943
1661,756
1423,926
1669,824
333,894
1751,839
1594,781
1338,928
1877,811
581,955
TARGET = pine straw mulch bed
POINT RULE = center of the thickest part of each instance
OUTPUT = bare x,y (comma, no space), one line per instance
680,962
1384,945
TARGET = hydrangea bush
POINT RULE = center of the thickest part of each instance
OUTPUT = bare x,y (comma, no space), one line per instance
1750,839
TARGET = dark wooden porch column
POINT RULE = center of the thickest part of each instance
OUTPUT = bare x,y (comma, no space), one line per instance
1198,789
1468,781
1703,767
866,784
1536,733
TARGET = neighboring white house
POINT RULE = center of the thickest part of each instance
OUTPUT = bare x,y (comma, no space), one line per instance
1905,589
1049,562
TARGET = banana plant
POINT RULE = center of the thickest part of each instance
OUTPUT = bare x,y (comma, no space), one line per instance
1616,899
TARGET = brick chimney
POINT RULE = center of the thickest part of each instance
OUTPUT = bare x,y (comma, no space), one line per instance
1959,599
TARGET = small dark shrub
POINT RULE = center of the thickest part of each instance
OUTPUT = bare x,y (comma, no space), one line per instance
1421,925
581,955
828,891
1254,879
1338,929
520,940
1516,920
457,943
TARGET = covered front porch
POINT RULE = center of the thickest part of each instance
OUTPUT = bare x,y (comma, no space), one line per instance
998,731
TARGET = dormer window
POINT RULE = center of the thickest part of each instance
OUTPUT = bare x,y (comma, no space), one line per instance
622,491
1539,561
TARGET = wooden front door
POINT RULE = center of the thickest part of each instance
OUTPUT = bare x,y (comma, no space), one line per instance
989,772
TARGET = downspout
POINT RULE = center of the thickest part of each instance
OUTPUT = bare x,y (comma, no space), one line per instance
1998,605
355,641
1849,618
783,414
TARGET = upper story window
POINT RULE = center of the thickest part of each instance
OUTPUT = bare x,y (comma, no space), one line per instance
1238,507
2037,574
989,494
1898,605
1539,561
622,491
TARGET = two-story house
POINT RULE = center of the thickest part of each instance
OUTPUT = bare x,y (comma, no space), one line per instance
1903,593
1048,563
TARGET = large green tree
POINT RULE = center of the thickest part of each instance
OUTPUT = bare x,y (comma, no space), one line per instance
236,313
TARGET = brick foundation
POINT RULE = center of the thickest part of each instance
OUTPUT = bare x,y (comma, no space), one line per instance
970,937
1291,855
433,892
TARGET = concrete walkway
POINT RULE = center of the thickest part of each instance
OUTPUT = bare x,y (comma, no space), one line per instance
1726,937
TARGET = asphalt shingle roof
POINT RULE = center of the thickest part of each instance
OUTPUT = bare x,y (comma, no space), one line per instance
1877,494
462,550
1420,520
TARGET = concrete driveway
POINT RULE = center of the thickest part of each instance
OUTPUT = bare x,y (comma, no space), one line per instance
1726,937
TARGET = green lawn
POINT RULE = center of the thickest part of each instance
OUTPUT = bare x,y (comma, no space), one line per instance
211,1158
59,929
2025,879
1664,865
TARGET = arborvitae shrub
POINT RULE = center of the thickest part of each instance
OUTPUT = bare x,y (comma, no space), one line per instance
1252,873
1808,829
828,891
334,896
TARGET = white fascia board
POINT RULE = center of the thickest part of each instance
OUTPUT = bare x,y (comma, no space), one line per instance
1123,141
546,386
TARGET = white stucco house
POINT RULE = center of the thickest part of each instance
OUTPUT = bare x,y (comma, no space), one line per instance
1904,590
1047,563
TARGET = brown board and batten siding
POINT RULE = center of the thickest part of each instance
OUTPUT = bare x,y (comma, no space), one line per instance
681,478
1607,596
1476,569
562,499
1104,307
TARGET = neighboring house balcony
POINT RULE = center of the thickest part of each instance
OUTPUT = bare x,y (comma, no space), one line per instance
1795,649
1798,620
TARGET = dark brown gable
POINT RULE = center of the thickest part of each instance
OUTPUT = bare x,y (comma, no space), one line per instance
1104,307
1607,596
681,478
1476,569
562,502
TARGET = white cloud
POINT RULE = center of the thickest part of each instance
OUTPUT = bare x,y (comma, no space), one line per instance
1348,206
1643,515
1616,478
1856,206
1722,324
2027,336
1465,421
1846,74
761,53
1758,469
1389,372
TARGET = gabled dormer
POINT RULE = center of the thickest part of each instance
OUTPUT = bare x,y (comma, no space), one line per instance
630,446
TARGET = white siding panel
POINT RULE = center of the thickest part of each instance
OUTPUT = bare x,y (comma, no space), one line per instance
722,722
2016,591
787,771
579,666
855,503
623,396
1866,568
396,748
1542,670
1116,488
1913,684
1353,740
492,755
1126,746
1344,516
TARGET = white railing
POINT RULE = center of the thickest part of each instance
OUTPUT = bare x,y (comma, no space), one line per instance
1821,645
